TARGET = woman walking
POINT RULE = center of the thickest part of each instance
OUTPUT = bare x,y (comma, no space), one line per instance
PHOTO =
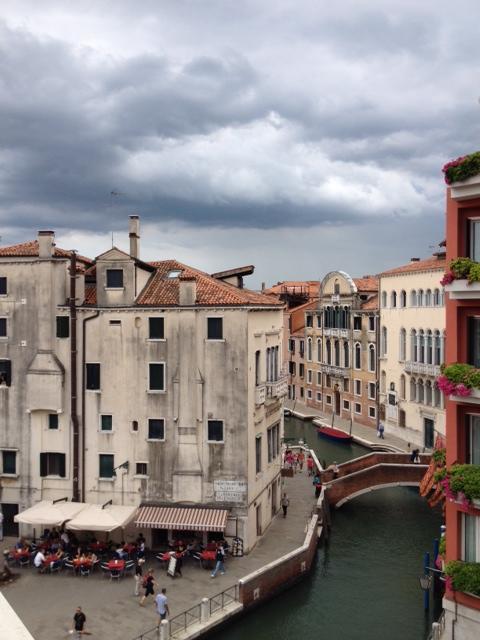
148,584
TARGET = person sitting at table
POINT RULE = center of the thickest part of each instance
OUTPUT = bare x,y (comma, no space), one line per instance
64,537
119,552
20,544
39,561
59,553
91,557
53,535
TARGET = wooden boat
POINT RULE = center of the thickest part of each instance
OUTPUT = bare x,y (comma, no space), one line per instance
330,433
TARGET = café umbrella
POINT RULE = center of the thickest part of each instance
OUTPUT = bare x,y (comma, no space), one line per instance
48,513
98,518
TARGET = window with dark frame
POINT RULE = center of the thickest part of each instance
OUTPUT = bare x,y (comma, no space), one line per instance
309,321
474,239
63,326
9,462
114,278
53,420
358,408
215,328
215,430
357,323
6,372
474,341
156,429
92,379
52,464
106,422
371,323
141,469
156,376
258,454
3,327
134,425
106,465
156,329
3,286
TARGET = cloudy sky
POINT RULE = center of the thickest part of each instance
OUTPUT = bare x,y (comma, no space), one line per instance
300,136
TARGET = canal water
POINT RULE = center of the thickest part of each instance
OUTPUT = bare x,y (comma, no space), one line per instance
365,584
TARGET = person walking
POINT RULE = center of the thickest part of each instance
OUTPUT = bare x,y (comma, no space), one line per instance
79,620
220,560
138,576
310,465
317,483
148,585
381,430
285,502
161,602
301,459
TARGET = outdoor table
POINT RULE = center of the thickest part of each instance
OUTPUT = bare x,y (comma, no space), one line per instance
20,553
118,565
207,558
78,562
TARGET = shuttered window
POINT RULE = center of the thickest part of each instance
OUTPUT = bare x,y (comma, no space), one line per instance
114,278
92,381
3,286
215,328
105,465
157,376
156,329
63,326
52,464
6,372
156,429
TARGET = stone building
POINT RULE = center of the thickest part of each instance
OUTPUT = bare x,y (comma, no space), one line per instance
412,338
149,384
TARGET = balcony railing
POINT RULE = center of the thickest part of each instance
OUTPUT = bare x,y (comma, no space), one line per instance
260,394
277,388
421,368
337,333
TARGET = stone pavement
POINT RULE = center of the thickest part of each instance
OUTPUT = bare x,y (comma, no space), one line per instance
46,603
360,432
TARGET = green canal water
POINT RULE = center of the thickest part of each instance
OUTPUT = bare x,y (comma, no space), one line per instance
364,585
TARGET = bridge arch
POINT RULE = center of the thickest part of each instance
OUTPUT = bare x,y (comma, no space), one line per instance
362,492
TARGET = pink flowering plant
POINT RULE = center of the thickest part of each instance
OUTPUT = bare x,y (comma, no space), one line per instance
462,168
460,483
462,269
458,379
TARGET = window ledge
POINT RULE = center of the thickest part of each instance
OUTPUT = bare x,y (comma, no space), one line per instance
156,391
106,479
106,431
93,390
13,476
155,439
156,339
55,477
215,441
139,476
114,288
214,339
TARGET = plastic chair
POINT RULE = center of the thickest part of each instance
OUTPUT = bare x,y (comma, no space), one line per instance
129,566
84,571
68,564
24,561
115,574
105,569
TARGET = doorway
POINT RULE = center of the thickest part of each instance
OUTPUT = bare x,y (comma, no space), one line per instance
429,432
259,519
337,402
274,498
10,528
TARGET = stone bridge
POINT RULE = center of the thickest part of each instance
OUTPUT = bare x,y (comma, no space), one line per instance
373,471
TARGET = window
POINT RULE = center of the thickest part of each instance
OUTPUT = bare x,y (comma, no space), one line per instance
135,425
471,538
156,429
53,420
346,405
436,298
358,407
319,378
413,346
291,345
156,329
273,442
292,368
393,299
319,350
52,464
420,298
9,462
371,323
309,349
258,454
309,376
402,352
302,348
3,327
428,298
309,320
371,358
371,390
328,381
372,412
114,278
413,298
63,326
319,397
346,384
257,368
357,387
5,372
474,240
384,299
403,299
3,286
336,350
346,355
402,387
106,422
302,392
156,371
214,328
309,394
329,352
429,347
357,323
301,371
319,321
105,465
92,382
329,399
384,341
358,356
215,431
141,468
473,439
115,323
474,341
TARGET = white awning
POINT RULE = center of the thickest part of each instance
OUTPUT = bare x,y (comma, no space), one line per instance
46,513
94,518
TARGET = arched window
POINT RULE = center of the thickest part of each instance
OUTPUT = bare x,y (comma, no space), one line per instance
393,299
413,298
403,299
429,347
421,346
383,382
436,297
358,356
437,348
371,358
428,298
402,387
436,395
402,352
384,341
428,393
329,352
420,298
346,355
420,392
336,346
413,346
326,318
319,349
413,390
309,349
336,288
384,299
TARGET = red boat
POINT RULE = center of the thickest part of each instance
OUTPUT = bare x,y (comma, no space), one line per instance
330,433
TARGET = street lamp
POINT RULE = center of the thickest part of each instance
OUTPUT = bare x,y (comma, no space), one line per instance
425,582
125,466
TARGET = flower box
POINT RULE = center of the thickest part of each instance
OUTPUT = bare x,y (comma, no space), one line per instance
466,189
476,503
473,398
463,290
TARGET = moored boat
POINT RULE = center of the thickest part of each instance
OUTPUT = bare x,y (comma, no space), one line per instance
330,433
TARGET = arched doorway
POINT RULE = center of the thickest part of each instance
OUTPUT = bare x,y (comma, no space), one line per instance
337,400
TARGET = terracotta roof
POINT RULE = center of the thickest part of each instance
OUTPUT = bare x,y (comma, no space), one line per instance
368,283
164,291
30,249
311,304
372,303
434,263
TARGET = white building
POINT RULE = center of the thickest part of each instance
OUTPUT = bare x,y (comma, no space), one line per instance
412,335
175,397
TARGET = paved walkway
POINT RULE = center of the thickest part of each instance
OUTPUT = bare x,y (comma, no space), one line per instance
46,603
359,431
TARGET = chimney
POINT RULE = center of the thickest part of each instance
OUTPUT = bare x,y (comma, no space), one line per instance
133,234
263,287
187,291
414,259
46,244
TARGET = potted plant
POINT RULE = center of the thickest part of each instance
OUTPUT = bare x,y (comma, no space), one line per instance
463,576
463,176
462,280
461,484
460,380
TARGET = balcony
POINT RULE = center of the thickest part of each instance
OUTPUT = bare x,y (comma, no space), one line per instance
421,368
337,333
331,370
466,189
463,290
277,388
260,394
473,398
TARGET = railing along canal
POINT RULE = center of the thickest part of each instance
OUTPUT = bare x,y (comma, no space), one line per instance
182,621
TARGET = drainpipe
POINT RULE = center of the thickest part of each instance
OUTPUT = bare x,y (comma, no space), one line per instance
84,350
73,373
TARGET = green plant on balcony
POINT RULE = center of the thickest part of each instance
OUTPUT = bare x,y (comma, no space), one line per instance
439,457
462,269
462,168
463,576
458,379
460,483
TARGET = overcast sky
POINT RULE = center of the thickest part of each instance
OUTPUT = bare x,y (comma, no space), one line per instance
300,136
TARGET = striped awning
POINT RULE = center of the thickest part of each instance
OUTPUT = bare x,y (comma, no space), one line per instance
179,518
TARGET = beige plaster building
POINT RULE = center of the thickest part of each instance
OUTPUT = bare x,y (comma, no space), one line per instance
149,384
412,339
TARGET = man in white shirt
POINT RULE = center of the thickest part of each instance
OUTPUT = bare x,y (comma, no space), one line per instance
39,560
162,606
